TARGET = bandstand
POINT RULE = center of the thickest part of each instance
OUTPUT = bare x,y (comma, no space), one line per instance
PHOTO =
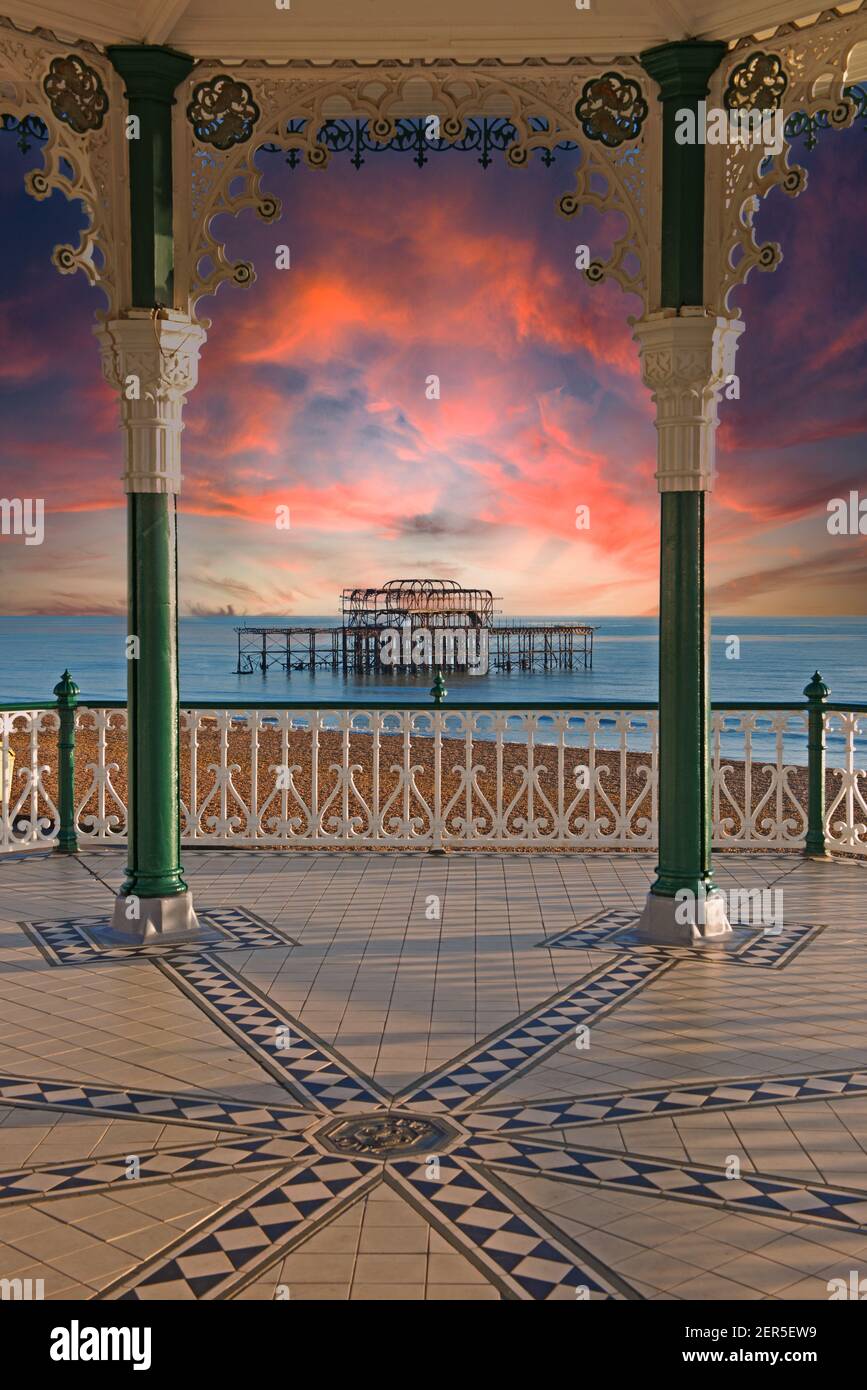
155,113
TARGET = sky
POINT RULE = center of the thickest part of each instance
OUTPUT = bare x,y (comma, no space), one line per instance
313,395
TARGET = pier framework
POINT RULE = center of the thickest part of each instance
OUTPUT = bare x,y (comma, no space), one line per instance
355,650
439,607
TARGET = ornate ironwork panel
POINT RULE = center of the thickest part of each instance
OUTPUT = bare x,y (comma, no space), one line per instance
70,104
311,114
804,73
413,135
28,129
75,93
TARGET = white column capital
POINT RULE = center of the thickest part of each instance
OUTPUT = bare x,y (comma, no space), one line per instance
686,357
152,360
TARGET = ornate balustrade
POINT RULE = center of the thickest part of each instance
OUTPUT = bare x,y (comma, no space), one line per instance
28,777
759,796
423,776
419,777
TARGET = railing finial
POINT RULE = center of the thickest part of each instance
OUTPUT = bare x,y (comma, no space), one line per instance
66,690
817,689
438,689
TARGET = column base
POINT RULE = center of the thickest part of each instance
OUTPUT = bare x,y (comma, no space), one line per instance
161,921
671,922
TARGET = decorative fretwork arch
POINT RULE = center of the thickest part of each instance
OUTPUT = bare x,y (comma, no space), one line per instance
227,116
607,112
809,73
78,97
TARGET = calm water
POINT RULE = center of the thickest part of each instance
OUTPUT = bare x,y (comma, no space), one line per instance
777,658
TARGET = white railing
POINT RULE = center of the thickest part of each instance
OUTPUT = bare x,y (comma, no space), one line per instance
759,798
846,807
28,780
434,777
426,778
100,805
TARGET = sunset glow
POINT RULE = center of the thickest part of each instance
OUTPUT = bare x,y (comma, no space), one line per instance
312,396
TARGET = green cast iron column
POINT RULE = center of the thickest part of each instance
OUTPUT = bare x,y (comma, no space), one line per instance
151,75
683,71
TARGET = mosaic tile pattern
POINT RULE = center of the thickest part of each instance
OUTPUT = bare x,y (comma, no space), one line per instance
776,949
203,1111
687,1182
285,1047
478,1203
194,1161
69,941
238,1243
528,1039
524,1259
246,929
615,930
669,1100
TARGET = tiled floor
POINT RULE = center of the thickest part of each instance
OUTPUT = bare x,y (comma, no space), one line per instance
411,1077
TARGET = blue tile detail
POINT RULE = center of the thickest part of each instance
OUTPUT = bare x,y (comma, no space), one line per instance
246,929
615,930
69,940
193,1161
683,1098
212,1112
248,1236
297,1057
505,1054
514,1249
769,1196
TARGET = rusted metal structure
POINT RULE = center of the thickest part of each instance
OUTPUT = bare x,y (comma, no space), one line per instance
421,602
409,607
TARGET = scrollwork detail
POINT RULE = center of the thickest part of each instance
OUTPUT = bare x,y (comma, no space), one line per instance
757,84
611,109
222,112
808,69
61,101
76,94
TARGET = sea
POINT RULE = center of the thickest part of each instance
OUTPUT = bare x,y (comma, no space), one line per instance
775,659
